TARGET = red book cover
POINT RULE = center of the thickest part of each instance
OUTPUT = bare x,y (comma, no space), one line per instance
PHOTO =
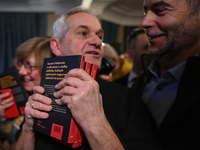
11,112
94,71
87,67
80,135
76,138
10,81
72,131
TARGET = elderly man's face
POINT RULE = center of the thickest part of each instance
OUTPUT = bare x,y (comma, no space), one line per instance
84,37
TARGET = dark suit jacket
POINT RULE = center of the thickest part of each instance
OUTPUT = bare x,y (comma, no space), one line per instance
180,129
123,80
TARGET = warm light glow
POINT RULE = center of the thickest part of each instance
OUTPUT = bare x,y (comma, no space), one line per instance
86,4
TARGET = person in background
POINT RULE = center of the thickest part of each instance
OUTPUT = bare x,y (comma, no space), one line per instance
30,55
105,111
123,66
137,44
170,83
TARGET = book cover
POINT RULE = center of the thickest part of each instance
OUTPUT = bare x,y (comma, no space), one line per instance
60,123
10,81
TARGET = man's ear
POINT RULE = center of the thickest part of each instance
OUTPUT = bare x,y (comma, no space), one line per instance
115,60
130,54
55,46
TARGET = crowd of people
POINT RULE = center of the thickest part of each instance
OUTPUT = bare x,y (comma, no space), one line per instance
159,111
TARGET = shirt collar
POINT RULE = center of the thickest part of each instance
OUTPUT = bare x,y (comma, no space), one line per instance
175,71
132,75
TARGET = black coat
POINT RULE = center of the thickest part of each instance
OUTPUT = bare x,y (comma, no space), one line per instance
123,80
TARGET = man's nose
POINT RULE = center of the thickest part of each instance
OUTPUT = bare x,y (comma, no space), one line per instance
149,20
95,40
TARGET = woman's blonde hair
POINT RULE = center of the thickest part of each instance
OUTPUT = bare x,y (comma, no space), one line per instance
39,47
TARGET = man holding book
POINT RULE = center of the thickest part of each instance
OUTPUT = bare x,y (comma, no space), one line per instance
106,112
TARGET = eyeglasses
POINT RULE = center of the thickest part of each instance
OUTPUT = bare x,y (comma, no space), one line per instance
27,66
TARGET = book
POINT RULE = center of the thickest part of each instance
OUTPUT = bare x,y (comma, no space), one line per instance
91,69
10,81
60,124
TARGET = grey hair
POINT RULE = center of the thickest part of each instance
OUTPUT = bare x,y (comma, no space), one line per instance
194,6
61,25
109,51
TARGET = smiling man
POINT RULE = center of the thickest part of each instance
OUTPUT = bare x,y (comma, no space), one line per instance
170,85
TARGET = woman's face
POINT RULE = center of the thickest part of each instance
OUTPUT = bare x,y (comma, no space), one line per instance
30,73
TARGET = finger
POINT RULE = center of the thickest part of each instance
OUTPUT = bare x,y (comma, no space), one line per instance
40,106
62,101
67,90
40,98
40,102
76,73
30,114
62,84
65,100
34,113
7,101
4,95
68,81
7,105
105,77
79,73
38,89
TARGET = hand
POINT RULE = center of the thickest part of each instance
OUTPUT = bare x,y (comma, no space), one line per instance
37,103
5,103
106,77
80,92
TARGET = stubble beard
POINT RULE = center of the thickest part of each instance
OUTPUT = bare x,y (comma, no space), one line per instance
180,37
